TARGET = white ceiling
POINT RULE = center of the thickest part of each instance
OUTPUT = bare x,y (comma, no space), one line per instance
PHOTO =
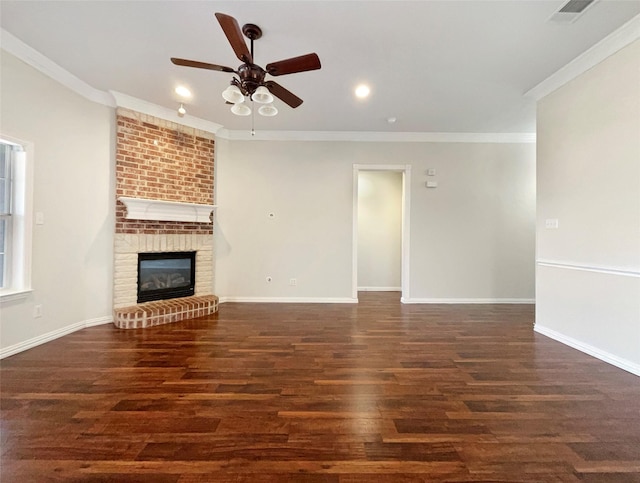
437,66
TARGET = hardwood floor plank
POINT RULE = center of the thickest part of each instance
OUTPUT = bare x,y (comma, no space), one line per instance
609,451
373,392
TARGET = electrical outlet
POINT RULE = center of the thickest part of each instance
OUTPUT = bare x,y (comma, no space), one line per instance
293,282
37,311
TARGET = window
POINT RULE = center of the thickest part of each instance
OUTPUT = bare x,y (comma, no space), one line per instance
15,219
5,210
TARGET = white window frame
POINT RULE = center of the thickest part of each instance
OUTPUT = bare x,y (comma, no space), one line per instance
18,256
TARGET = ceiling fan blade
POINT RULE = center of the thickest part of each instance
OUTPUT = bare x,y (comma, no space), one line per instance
201,65
283,94
232,30
295,64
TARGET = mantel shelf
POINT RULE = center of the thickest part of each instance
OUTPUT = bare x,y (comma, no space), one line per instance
160,210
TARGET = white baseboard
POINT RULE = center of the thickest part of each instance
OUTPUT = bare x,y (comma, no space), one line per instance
108,319
379,289
345,300
55,334
467,301
624,364
289,300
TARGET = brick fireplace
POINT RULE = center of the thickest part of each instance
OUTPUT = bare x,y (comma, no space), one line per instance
164,184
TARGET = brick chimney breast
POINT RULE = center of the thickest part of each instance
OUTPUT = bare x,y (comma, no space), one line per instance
164,161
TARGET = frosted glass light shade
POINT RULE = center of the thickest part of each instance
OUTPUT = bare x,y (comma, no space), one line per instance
232,94
241,109
268,110
262,95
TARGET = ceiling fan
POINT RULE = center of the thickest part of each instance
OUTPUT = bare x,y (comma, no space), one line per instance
249,81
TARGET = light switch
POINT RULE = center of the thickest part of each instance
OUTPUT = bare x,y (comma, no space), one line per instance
431,172
551,223
39,218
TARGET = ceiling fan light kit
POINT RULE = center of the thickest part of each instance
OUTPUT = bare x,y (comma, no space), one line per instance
262,95
241,109
249,80
268,110
233,95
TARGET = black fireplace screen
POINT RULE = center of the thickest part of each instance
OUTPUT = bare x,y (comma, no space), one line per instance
166,275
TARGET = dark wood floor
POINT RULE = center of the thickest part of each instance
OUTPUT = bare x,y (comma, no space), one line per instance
320,393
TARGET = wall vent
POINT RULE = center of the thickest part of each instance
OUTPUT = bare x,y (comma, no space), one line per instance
571,10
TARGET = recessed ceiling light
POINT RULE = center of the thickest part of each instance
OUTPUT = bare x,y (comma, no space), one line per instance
362,91
182,91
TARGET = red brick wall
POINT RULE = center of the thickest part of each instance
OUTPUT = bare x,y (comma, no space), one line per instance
159,160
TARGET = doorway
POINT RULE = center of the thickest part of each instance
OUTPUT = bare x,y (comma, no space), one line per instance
374,196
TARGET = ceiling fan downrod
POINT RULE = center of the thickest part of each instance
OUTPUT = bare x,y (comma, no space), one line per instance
252,32
251,75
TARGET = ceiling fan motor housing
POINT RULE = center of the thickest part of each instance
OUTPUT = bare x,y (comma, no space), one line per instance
251,77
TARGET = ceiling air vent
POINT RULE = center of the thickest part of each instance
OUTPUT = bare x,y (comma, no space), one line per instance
571,10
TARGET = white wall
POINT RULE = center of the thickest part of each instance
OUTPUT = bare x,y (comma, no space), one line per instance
74,189
472,238
588,279
379,230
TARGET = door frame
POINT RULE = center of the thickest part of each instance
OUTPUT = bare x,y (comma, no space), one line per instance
405,169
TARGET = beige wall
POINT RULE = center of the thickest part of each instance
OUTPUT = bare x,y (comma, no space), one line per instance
472,238
588,172
74,190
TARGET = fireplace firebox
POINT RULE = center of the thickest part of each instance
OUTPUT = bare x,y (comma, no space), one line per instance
166,275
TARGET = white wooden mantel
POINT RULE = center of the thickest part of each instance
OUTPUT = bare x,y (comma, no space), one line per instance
160,210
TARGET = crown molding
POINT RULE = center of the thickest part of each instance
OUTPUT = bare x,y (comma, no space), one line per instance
151,109
43,64
363,136
38,61
625,35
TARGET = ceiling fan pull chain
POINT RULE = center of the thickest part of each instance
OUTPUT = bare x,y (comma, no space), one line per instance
253,111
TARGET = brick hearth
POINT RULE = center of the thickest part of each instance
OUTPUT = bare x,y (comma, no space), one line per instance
164,312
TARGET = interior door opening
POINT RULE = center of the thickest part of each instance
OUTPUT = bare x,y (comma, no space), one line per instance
381,229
